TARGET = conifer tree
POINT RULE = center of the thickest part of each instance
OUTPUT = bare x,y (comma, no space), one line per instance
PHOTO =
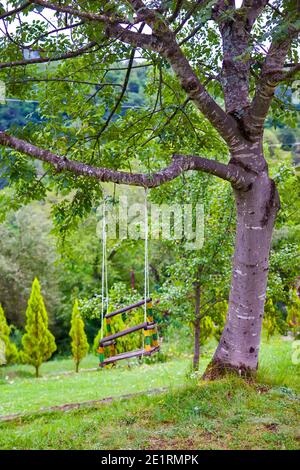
9,349
38,342
80,345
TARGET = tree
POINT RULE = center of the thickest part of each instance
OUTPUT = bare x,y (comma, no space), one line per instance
28,250
10,350
192,39
79,345
38,342
198,280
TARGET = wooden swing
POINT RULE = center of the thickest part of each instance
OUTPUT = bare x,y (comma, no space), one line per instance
149,327
151,344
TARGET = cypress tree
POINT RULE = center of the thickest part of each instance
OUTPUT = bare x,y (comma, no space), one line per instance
8,349
79,344
38,342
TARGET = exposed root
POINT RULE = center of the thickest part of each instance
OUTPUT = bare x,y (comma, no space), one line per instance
217,370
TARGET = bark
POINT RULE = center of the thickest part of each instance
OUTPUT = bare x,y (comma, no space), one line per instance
132,279
239,344
77,367
196,358
180,163
37,374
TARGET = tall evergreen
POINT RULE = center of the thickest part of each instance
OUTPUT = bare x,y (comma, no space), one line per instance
38,342
9,352
80,345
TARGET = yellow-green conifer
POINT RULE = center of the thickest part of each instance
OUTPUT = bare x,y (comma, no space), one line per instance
38,342
9,352
80,345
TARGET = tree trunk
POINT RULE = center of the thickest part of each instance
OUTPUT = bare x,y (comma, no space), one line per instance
77,367
197,328
238,348
132,279
37,372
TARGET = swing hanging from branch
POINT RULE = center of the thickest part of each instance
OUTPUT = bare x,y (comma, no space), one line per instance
149,327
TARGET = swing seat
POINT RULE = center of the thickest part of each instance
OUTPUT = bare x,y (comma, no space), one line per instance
129,355
128,308
141,326
151,344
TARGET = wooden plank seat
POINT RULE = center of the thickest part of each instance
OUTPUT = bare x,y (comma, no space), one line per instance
128,355
141,326
109,343
128,308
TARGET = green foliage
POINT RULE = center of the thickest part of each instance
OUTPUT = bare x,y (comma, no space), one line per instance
153,121
28,250
120,296
293,317
269,321
208,266
206,329
79,345
38,342
218,315
10,352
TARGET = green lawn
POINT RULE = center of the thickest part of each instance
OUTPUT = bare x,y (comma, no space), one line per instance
29,394
192,415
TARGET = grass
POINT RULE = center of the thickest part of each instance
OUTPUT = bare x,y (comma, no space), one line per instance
226,414
20,395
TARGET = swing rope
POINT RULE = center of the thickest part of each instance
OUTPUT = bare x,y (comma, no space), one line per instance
146,257
146,262
150,337
104,277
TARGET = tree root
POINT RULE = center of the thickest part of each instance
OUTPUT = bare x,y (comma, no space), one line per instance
218,370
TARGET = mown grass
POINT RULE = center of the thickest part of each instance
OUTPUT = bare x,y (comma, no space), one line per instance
31,394
226,414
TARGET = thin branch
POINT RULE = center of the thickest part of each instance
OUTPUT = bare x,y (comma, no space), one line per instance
290,73
56,30
189,14
15,11
121,96
176,11
124,88
42,60
79,13
82,82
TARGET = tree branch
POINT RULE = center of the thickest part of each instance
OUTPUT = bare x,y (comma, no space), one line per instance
272,73
180,163
15,11
123,91
176,12
42,60
290,73
76,12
